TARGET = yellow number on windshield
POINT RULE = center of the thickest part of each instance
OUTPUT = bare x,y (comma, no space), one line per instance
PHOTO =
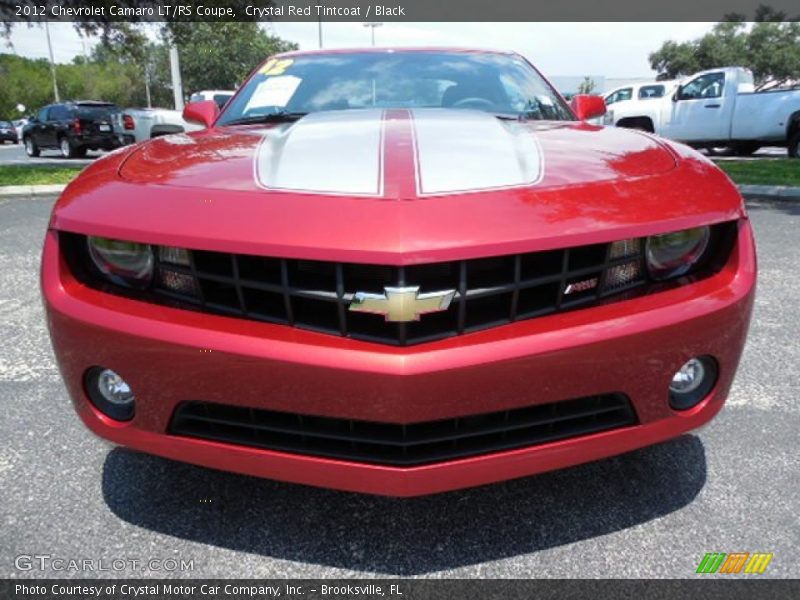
276,67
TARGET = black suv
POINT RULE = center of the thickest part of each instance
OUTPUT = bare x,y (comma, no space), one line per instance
71,127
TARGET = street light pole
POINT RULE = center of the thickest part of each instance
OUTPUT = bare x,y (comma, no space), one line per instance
175,71
372,27
52,63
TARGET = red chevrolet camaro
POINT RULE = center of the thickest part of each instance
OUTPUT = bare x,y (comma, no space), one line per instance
398,272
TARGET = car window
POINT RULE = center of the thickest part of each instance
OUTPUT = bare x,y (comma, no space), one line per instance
619,96
221,99
59,112
496,83
42,114
96,111
709,85
5,124
651,91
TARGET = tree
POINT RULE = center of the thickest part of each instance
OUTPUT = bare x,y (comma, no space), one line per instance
770,48
213,55
26,82
221,55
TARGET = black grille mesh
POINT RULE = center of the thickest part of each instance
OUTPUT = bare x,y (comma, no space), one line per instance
402,445
316,295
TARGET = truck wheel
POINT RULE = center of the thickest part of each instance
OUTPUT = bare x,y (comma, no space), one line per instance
80,152
746,148
31,149
67,151
793,149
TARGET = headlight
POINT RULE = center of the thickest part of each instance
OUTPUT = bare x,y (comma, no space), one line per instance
674,254
123,262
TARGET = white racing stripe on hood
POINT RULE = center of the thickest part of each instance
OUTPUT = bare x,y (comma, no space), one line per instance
465,151
323,153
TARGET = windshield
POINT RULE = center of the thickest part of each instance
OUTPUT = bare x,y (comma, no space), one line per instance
96,111
495,83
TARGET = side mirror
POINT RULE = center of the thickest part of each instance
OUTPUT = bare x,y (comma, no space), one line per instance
677,95
204,112
588,107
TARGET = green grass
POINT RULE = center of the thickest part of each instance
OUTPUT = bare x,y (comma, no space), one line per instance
764,171
24,175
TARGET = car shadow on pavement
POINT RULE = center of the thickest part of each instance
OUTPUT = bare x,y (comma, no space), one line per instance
403,536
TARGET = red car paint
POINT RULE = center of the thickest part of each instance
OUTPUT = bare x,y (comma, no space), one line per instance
598,185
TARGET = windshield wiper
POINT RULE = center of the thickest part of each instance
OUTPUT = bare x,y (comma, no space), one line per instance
509,116
283,116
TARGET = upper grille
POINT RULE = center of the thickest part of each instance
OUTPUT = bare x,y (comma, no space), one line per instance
402,445
316,295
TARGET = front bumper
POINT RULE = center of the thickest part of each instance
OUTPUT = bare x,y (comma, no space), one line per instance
106,141
170,356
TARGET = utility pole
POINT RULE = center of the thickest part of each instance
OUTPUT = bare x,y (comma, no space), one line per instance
372,27
148,68
147,84
52,63
175,70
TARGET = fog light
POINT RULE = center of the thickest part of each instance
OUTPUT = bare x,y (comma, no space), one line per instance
110,393
688,378
692,382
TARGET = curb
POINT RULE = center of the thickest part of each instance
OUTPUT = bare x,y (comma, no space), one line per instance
770,192
750,192
30,191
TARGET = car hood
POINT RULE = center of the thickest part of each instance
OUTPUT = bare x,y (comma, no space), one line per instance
397,154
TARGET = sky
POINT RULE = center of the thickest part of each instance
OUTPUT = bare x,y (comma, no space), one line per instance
558,49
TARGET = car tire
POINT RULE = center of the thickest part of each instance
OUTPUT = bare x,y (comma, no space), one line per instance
67,151
80,152
31,149
746,148
793,149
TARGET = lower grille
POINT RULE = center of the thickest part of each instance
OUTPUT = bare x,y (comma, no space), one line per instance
402,445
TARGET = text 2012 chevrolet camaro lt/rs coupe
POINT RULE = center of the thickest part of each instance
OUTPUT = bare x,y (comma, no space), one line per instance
398,272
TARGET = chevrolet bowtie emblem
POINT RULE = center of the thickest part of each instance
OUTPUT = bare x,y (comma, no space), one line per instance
402,304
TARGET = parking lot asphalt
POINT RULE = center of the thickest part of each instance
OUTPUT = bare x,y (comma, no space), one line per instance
731,487
14,154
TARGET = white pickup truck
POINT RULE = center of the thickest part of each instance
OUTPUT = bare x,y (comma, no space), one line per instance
140,124
718,107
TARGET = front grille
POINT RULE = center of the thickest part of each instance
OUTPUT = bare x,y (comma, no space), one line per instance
402,445
316,295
